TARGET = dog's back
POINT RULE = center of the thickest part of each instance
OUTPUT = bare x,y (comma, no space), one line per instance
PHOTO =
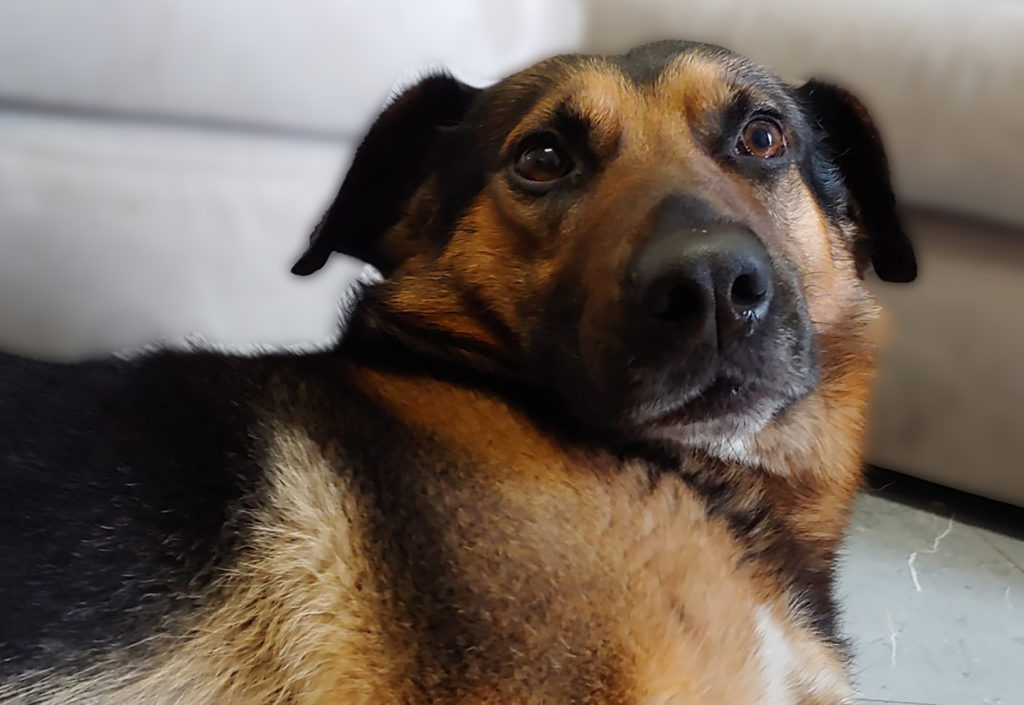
119,483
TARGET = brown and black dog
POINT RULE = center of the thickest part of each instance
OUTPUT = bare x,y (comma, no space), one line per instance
592,439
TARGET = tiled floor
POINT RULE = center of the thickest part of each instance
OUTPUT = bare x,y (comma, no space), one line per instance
934,598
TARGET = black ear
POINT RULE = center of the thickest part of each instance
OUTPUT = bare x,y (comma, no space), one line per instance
393,160
856,149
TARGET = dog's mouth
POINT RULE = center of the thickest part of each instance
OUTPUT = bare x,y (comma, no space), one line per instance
730,404
725,394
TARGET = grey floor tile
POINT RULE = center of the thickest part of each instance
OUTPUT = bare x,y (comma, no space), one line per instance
929,605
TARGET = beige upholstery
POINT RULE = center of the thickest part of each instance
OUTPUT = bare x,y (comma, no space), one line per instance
949,404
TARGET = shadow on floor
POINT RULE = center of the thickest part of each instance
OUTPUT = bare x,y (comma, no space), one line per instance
970,509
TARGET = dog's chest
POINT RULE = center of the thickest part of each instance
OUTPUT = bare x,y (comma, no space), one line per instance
586,579
517,559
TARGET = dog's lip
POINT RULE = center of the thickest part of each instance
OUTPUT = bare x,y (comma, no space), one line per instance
725,385
725,391
725,395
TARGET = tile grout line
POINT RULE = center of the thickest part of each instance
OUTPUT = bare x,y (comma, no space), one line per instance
994,546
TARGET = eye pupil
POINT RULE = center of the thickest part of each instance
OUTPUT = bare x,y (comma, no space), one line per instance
544,160
541,163
763,139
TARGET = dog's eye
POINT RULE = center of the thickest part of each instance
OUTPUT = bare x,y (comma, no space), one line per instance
543,161
762,138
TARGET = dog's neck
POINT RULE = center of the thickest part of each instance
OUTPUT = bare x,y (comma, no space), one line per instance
382,332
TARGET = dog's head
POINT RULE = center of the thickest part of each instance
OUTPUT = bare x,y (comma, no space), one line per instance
669,239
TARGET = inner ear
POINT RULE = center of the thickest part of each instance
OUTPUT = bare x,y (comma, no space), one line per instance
395,158
854,146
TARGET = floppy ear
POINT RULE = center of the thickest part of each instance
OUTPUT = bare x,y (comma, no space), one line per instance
857,151
392,161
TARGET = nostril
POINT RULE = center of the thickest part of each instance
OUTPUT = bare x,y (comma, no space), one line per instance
748,290
675,301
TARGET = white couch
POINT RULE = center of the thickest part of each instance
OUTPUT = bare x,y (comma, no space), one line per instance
162,162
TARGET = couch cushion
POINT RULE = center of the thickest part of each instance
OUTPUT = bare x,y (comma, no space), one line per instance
307,64
115,235
948,399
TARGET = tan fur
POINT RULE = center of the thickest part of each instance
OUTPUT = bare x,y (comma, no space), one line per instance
694,86
307,599
643,586
592,91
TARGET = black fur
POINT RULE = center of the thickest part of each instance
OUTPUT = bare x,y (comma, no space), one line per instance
854,153
439,127
122,483
393,160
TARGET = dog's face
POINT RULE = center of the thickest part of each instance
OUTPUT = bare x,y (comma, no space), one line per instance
667,239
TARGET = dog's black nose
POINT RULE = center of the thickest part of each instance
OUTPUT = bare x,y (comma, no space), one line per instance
713,283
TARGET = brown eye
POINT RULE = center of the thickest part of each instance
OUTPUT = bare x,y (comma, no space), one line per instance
543,162
762,139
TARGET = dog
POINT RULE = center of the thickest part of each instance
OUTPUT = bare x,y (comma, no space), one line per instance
592,437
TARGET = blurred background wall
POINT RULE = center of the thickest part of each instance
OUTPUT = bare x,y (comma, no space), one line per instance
162,162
